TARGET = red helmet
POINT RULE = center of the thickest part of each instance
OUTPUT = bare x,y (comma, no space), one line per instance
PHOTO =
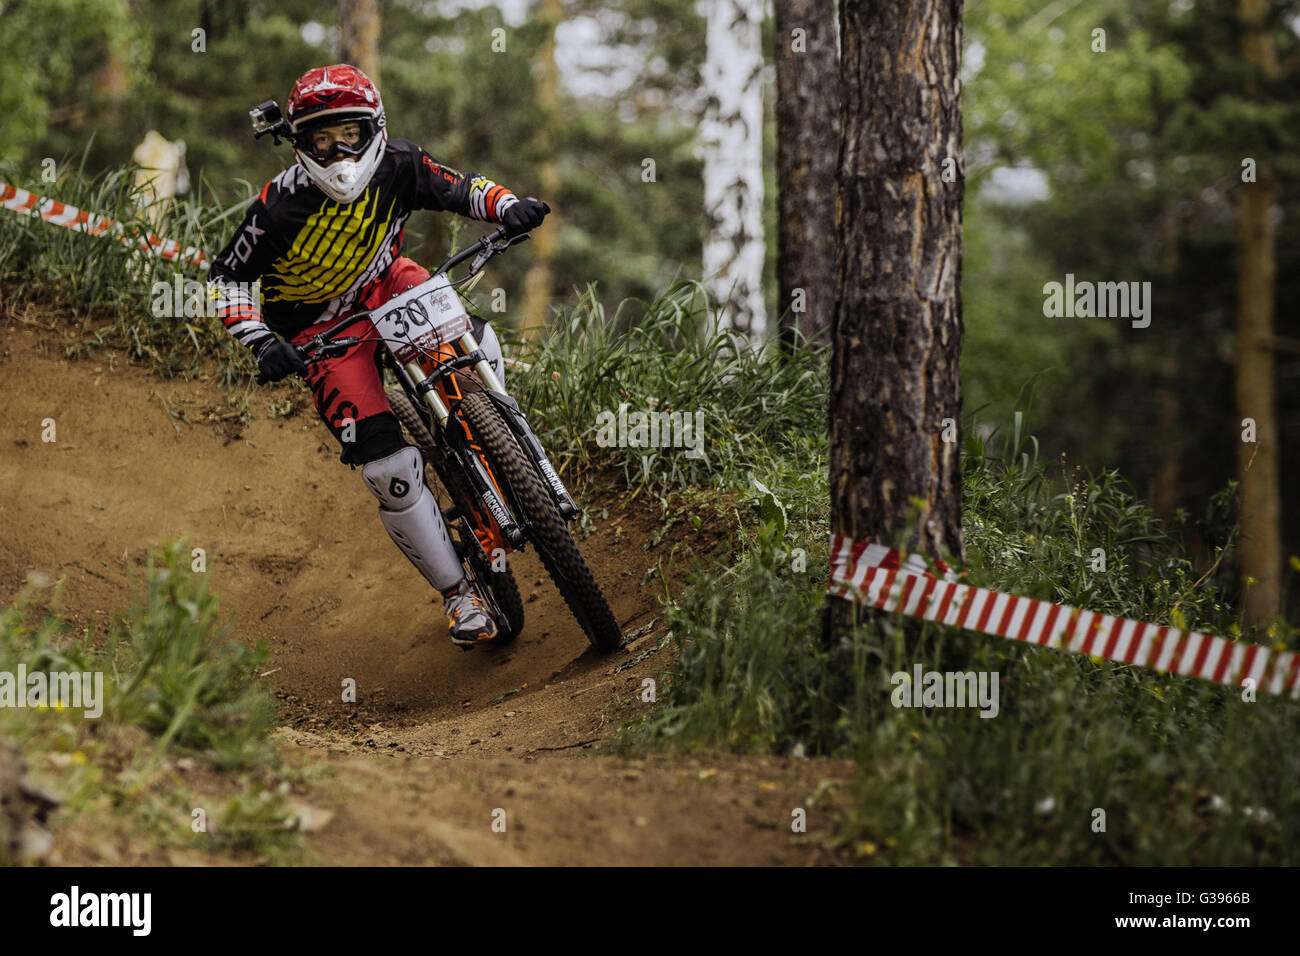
329,96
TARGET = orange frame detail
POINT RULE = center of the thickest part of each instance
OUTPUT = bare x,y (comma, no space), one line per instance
486,529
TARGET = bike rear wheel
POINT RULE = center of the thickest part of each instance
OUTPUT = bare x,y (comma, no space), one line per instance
558,551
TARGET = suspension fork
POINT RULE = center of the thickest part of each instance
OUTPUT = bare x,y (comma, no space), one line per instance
422,386
533,449
519,425
509,411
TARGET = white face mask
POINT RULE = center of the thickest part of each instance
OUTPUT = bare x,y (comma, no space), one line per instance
345,179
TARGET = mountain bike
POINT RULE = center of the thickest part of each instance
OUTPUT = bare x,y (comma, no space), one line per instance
476,441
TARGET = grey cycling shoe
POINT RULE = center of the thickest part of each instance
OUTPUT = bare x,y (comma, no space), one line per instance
468,618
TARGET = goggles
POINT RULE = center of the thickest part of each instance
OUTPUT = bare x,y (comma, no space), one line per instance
334,138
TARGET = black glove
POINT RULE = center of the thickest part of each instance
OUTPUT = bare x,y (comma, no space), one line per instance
525,215
277,359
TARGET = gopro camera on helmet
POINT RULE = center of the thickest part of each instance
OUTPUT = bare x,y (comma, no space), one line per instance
267,118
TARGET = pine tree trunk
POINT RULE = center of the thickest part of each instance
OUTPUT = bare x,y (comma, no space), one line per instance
1257,462
538,279
732,136
359,36
807,118
897,327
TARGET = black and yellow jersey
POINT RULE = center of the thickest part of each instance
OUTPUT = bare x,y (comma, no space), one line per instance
314,258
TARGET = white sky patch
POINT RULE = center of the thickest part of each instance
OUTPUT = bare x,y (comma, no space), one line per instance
514,12
589,68
1016,184
313,33
973,61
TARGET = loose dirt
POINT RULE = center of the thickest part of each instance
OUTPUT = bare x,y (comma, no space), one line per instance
440,743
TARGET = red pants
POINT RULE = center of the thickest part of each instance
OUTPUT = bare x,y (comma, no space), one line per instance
349,386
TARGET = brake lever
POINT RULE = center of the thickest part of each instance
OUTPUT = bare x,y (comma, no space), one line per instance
494,248
319,349
333,347
479,261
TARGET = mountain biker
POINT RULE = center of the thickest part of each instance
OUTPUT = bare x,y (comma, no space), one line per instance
324,238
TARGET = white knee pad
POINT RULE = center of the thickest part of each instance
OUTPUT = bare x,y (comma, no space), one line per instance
411,517
397,479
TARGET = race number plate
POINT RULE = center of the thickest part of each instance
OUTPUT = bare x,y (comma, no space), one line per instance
421,319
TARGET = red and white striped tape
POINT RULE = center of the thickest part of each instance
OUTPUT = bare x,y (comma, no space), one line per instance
886,579
70,217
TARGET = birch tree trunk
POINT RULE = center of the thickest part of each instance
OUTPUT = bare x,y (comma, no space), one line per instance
895,403
732,136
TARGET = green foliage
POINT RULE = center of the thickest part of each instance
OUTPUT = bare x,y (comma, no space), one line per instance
1040,534
169,665
1007,340
98,277
182,679
171,675
46,52
1141,150
255,819
761,411
1186,772
1042,95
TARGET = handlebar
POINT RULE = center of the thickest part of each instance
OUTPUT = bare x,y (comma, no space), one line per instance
485,245
321,351
481,251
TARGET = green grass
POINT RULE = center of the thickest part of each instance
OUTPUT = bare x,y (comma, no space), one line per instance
1186,772
1178,771
104,286
762,415
181,678
178,691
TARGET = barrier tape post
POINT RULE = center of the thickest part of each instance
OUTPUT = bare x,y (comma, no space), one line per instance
888,580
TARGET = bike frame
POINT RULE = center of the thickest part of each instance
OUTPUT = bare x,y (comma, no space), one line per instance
432,381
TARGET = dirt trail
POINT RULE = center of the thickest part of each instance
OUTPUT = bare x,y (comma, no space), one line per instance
438,738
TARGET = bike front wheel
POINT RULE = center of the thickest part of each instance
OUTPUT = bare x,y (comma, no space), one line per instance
550,532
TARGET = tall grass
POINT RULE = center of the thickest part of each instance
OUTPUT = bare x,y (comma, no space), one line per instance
177,687
169,664
1185,772
102,287
760,410
1086,761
